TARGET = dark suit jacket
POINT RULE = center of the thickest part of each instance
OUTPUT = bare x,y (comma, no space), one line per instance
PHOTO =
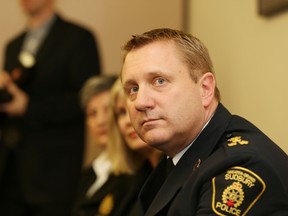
107,199
129,203
237,159
49,138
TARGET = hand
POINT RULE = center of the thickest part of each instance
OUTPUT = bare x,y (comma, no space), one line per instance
5,79
18,105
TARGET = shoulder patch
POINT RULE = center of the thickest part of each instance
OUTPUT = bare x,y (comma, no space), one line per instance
106,205
237,140
236,191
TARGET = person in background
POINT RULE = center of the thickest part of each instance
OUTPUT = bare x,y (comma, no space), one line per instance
94,100
100,191
129,154
223,164
42,125
110,186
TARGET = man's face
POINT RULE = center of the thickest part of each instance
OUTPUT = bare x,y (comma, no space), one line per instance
33,7
164,103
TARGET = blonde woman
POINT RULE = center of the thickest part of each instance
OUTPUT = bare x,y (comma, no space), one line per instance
128,153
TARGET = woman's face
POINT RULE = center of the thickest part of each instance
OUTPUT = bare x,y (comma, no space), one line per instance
127,131
97,118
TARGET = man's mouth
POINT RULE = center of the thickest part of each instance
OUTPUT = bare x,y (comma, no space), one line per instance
148,122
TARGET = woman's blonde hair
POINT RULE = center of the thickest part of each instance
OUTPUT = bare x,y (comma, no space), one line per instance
124,160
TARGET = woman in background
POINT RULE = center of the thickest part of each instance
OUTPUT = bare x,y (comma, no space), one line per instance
110,186
128,153
100,191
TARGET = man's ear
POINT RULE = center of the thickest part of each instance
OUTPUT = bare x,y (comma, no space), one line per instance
207,83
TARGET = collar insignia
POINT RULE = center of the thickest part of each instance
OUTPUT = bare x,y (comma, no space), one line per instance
237,140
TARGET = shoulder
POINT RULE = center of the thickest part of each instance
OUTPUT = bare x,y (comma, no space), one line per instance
243,136
16,40
246,145
251,167
241,143
71,27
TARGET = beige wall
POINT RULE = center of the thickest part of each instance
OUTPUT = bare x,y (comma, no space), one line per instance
250,54
249,51
112,21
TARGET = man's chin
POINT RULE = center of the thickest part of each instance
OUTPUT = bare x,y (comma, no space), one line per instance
155,141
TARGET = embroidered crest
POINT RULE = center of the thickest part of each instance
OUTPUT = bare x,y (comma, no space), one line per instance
233,195
106,205
236,191
237,140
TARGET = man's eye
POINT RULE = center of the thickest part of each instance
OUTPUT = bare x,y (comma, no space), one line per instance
160,81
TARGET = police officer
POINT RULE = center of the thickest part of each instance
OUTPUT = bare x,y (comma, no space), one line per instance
223,164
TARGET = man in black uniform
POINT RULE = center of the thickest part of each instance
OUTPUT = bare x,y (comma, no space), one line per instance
42,125
223,165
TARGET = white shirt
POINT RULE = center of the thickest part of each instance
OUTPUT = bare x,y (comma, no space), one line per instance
102,168
35,37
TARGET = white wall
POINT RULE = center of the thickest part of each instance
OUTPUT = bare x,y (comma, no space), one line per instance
250,55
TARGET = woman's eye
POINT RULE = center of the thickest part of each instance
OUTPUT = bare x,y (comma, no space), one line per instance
91,113
133,90
121,112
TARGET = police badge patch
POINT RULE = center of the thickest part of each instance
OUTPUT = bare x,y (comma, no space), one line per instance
236,191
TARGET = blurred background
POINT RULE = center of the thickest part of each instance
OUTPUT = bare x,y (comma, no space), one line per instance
249,49
112,21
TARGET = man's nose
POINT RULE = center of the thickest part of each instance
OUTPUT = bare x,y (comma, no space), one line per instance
144,99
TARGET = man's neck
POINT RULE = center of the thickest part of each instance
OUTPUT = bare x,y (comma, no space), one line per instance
36,20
